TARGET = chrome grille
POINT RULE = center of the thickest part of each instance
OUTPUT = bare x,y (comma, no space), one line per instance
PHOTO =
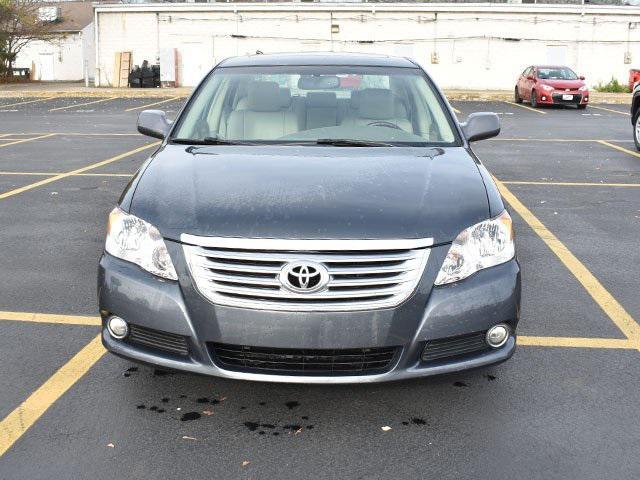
363,274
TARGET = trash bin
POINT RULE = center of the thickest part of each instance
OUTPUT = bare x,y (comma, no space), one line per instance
145,76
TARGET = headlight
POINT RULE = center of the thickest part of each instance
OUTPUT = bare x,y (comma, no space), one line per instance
548,88
583,88
483,245
139,242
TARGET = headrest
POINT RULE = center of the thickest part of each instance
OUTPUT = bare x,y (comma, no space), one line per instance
263,97
285,97
355,99
241,95
322,99
376,103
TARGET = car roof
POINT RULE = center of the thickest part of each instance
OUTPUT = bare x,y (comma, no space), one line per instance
318,58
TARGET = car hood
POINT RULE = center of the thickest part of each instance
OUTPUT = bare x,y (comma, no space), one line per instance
562,84
311,192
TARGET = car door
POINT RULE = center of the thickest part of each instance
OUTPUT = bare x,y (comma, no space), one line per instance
528,83
522,83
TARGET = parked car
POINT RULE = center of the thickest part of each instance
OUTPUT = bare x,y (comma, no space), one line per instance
293,229
635,115
634,77
551,85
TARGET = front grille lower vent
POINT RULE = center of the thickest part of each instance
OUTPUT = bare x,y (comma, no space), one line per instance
157,340
454,346
279,361
358,274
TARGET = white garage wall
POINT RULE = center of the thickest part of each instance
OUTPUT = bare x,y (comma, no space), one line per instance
58,59
478,46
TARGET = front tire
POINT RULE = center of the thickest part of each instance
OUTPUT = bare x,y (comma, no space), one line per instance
534,99
582,106
636,131
517,97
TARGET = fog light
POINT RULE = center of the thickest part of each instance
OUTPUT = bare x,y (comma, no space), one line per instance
544,98
118,328
498,335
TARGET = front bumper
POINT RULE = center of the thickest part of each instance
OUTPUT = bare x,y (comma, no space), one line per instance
556,98
489,297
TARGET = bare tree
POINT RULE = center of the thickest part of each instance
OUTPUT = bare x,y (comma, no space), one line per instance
20,25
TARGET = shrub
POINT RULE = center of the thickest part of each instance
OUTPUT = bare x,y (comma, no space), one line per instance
613,86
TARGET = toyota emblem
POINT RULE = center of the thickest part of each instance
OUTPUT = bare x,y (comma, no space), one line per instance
304,277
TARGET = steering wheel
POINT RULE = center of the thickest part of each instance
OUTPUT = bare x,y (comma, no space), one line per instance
382,123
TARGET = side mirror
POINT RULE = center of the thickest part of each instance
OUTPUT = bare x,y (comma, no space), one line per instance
480,126
153,123
581,77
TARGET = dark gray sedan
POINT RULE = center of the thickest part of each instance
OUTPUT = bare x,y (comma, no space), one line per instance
315,218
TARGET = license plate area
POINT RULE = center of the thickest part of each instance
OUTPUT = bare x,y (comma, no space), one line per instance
567,97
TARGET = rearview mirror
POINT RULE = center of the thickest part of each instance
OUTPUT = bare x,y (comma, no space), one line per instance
318,82
153,123
480,126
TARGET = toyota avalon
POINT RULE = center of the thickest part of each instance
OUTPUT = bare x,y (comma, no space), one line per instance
315,218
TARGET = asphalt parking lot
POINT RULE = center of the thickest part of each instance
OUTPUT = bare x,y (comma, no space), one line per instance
565,406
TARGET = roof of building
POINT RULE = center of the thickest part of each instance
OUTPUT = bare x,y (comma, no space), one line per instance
74,16
318,58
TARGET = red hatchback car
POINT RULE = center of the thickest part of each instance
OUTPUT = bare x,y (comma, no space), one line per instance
551,85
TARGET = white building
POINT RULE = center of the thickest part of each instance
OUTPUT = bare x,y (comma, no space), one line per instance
69,53
476,46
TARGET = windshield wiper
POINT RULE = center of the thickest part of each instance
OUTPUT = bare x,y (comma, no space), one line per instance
210,141
347,142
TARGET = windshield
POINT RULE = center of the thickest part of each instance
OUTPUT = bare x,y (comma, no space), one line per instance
556,73
391,106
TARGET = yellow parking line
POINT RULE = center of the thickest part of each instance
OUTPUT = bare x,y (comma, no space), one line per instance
611,110
568,342
620,149
25,140
51,174
25,102
14,425
600,295
156,103
37,174
80,134
46,181
82,104
569,184
456,110
525,107
50,318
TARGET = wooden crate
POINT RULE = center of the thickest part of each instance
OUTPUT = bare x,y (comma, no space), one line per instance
121,69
